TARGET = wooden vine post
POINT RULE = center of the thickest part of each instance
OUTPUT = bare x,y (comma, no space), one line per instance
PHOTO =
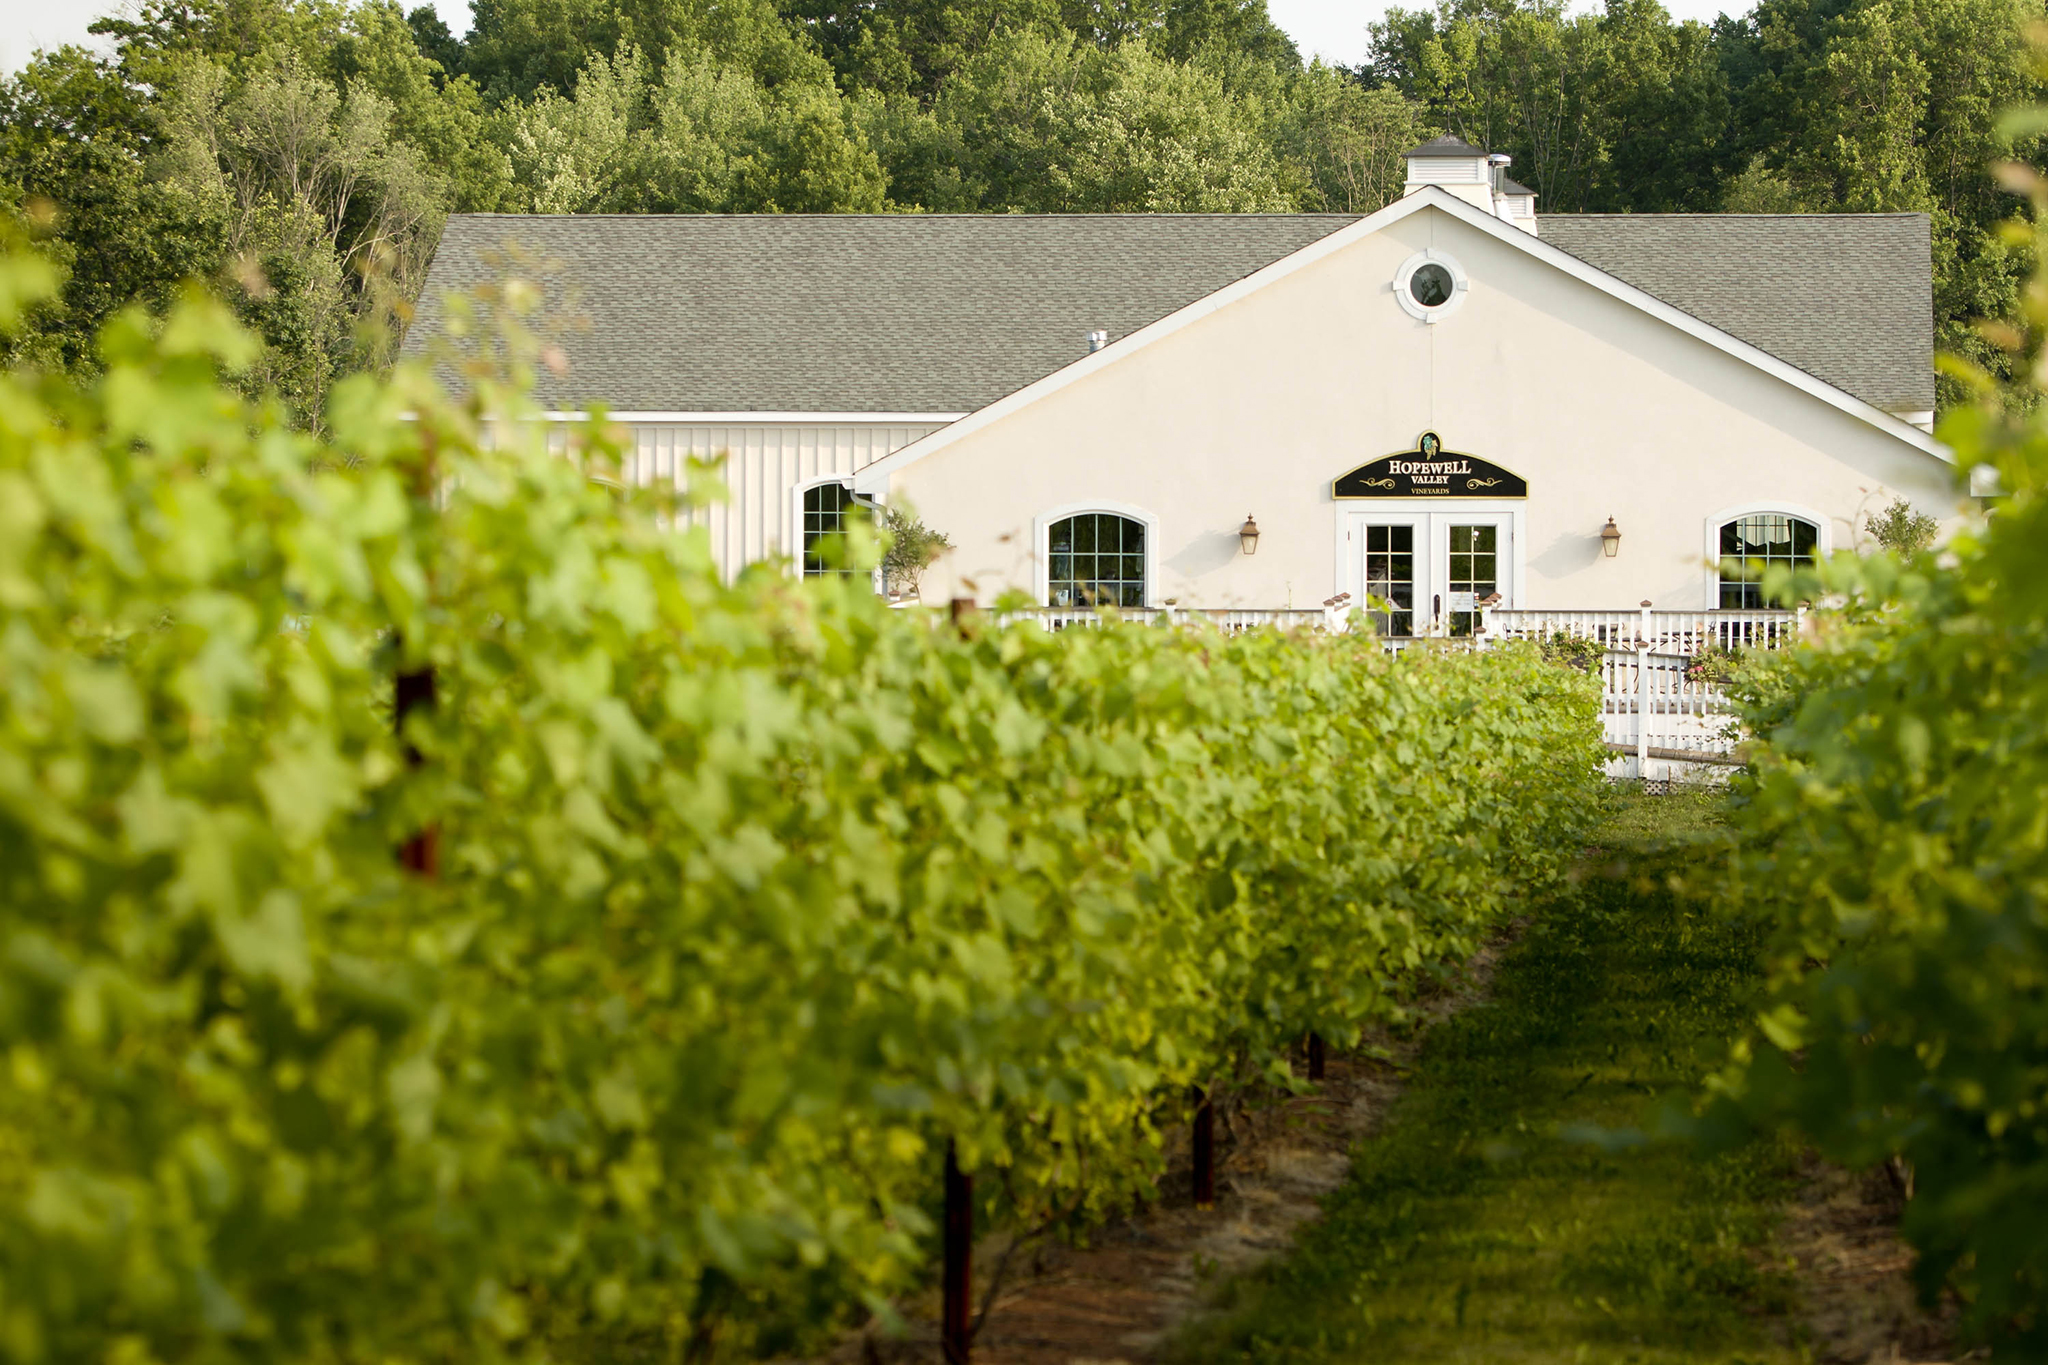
421,853
956,1321
1317,1056
1205,1151
956,1317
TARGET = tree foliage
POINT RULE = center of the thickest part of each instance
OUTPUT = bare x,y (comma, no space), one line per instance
153,161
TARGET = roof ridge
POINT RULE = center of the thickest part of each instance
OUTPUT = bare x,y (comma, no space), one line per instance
895,217
1718,216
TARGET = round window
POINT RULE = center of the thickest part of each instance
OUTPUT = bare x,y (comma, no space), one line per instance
1431,286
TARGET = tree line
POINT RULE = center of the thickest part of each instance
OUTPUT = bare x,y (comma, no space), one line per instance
303,154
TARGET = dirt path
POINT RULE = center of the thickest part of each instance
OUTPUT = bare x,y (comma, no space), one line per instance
1114,1302
1857,1303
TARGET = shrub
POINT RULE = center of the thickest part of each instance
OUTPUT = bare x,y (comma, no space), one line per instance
1902,529
1572,651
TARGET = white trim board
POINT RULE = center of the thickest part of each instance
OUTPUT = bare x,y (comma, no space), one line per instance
766,419
873,478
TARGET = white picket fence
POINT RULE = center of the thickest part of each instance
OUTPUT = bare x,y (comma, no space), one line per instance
1228,620
1662,716
1659,719
1666,632
1660,713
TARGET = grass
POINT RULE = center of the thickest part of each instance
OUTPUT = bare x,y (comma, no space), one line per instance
1475,1228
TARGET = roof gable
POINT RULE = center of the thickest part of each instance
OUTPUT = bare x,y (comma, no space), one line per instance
874,477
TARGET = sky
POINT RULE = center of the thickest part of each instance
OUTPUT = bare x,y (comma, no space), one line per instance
1331,29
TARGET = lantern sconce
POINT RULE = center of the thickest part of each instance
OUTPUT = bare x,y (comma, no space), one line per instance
1248,535
1610,539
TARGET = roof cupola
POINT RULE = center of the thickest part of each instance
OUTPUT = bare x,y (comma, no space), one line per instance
1474,175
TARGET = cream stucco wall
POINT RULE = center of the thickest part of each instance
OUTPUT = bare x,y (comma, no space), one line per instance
1258,406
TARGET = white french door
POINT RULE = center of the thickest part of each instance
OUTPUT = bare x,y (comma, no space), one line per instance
1431,570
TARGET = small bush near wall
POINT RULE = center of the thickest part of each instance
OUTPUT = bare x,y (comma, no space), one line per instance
1902,529
1713,664
1572,651
910,548
747,899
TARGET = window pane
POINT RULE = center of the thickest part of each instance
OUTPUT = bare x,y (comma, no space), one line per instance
826,507
1752,544
1095,559
1390,576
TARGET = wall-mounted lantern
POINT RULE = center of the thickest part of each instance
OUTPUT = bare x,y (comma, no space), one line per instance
1248,535
1610,539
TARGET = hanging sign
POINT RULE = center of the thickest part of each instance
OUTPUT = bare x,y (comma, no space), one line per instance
1430,471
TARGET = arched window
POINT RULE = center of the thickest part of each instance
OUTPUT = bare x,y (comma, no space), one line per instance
1759,541
826,507
1095,559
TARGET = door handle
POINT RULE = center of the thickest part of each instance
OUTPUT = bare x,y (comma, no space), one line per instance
1436,609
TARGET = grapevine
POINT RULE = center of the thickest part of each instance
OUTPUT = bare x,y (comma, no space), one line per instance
752,896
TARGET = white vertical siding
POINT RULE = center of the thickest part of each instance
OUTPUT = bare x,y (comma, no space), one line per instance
764,465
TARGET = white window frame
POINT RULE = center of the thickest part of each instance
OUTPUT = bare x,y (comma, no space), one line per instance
1460,285
795,528
1710,536
1041,545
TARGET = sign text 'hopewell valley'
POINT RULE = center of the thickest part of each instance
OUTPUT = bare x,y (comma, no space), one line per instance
1430,471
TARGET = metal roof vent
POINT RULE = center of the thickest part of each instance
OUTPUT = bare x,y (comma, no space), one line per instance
1096,341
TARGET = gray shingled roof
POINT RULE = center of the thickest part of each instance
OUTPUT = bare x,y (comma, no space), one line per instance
851,313
938,313
1445,146
1847,297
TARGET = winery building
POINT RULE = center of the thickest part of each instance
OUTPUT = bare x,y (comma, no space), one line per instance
1454,401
